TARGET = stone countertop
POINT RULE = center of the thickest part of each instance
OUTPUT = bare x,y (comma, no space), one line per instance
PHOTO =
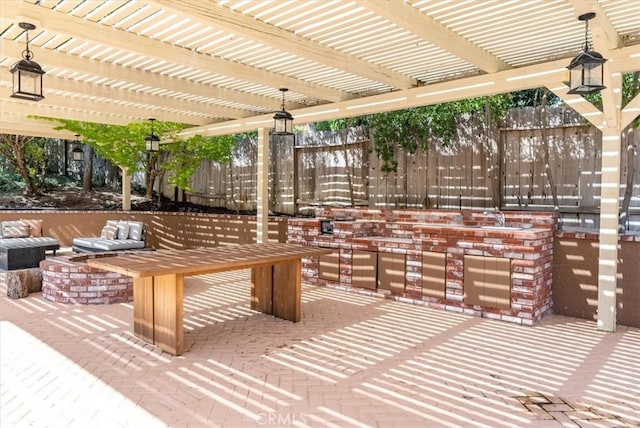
481,230
418,224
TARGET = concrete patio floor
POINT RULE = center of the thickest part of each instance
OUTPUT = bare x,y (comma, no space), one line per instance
353,361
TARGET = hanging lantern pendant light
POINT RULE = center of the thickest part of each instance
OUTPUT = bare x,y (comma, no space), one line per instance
27,74
152,142
77,152
586,71
283,121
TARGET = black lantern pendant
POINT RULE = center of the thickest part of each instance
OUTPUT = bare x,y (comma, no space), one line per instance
27,74
152,142
283,121
586,71
77,153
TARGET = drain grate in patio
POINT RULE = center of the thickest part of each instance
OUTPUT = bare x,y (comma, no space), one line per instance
550,407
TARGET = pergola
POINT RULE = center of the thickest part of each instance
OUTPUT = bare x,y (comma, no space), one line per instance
219,66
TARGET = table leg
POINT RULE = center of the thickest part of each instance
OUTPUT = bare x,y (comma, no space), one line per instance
143,308
168,294
287,292
262,289
276,290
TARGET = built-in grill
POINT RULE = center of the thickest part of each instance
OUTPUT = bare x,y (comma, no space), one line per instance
326,225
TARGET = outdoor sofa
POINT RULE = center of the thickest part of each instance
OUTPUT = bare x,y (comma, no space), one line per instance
22,245
116,235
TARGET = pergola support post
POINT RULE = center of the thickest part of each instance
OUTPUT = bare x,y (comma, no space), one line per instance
262,229
608,246
126,190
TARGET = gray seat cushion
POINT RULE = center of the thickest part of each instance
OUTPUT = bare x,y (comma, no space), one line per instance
98,243
34,241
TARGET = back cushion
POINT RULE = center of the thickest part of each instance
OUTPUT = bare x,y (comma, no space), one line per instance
35,226
123,230
15,229
135,230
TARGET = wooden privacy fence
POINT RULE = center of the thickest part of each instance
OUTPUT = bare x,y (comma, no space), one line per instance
505,168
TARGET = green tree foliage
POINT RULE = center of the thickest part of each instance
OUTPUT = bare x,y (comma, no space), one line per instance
630,90
413,129
339,124
533,97
124,146
26,155
121,144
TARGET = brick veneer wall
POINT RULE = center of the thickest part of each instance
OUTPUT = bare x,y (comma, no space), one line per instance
410,232
68,279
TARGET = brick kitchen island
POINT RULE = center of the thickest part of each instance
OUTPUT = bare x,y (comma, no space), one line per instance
452,260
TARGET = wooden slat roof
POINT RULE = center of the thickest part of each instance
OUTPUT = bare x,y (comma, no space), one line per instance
218,65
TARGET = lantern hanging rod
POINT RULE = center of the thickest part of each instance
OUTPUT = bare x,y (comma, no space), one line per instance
27,54
586,17
283,90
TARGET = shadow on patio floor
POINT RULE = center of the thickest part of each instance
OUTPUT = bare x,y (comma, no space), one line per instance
353,361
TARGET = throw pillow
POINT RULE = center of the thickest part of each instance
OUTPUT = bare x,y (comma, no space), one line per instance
123,230
113,223
35,226
109,232
18,231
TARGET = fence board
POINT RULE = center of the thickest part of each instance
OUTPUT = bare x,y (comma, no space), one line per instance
475,171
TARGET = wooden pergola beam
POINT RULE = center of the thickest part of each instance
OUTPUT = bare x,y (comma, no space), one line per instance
534,76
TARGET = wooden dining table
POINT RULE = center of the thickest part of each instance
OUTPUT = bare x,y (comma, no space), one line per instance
158,283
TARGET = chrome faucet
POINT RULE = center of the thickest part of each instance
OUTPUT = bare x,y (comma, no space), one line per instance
498,215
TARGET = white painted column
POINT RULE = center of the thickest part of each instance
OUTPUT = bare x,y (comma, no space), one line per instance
262,229
126,190
608,251
609,195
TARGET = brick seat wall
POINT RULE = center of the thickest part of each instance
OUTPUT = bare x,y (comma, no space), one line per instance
68,279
